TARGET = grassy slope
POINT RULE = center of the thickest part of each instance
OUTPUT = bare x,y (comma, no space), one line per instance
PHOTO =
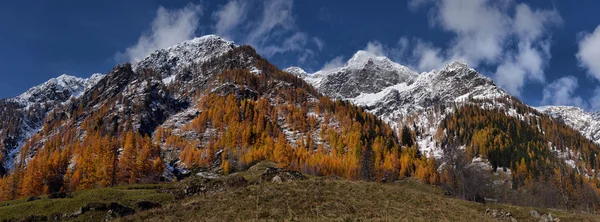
315,199
127,195
319,199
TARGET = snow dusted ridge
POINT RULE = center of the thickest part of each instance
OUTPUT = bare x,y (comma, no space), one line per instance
395,93
363,73
588,123
174,59
59,89
297,71
40,100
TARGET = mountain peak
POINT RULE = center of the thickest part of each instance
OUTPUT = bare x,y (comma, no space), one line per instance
169,61
297,71
58,89
456,65
361,58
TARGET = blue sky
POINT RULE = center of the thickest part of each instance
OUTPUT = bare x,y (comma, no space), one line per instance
542,51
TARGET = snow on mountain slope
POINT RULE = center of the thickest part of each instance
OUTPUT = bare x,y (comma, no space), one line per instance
395,93
35,104
390,90
363,73
297,71
174,59
588,123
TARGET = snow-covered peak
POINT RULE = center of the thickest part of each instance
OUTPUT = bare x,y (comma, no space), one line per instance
363,59
456,65
171,60
365,72
93,80
297,71
63,84
58,89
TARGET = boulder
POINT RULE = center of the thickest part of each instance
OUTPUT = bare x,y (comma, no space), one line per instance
120,210
534,214
96,207
544,218
285,175
276,179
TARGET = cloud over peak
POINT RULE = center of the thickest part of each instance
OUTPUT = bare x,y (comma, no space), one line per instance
169,27
589,53
511,38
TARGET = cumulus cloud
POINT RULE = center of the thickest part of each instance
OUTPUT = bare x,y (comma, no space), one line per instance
376,48
589,53
169,27
429,57
229,17
562,92
513,38
334,63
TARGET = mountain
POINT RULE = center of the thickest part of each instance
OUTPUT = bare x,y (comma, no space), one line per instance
223,108
207,107
24,114
588,123
456,114
395,93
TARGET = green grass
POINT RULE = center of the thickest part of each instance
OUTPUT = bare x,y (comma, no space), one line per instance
126,195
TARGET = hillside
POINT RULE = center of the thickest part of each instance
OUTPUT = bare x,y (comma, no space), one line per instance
249,199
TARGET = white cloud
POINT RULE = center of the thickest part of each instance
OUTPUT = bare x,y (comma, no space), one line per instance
561,92
296,42
275,14
511,37
319,42
334,63
271,29
229,17
589,53
376,48
429,57
169,27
